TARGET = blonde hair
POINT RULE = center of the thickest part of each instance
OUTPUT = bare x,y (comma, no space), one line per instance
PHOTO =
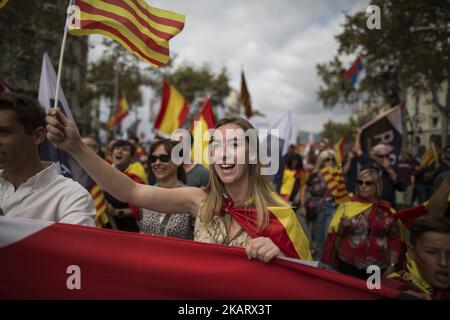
375,178
261,193
321,158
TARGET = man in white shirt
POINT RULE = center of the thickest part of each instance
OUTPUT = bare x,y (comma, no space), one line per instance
29,187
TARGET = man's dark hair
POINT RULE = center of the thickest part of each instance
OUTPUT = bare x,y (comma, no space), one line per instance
29,112
426,224
124,143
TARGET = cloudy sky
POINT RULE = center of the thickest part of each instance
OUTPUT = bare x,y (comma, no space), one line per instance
277,42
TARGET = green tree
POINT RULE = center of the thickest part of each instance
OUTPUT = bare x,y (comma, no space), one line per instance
335,130
411,50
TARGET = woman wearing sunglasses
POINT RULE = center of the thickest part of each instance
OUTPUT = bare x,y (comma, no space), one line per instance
238,207
363,231
168,175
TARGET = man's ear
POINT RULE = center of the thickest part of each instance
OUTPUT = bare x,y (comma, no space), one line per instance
39,135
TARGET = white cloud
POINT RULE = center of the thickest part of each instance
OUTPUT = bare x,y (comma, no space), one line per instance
278,42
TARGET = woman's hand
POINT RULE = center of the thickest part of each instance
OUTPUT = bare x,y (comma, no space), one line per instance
262,248
62,132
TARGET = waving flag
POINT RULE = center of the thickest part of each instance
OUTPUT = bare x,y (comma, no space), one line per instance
115,264
245,97
173,112
140,28
199,129
120,112
387,129
335,183
355,73
67,165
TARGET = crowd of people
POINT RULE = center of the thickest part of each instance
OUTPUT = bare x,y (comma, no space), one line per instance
396,217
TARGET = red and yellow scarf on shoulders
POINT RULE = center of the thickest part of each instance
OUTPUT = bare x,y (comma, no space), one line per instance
348,209
283,228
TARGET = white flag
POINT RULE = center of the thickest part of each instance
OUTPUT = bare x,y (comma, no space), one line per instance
47,87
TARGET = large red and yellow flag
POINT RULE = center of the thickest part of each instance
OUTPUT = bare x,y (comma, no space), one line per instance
140,28
173,112
339,150
3,3
245,97
199,129
120,112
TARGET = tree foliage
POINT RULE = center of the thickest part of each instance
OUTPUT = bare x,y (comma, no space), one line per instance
411,50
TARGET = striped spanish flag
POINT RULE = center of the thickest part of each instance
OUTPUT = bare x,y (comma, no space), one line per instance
3,3
120,112
140,28
335,183
202,123
101,217
283,229
173,112
339,150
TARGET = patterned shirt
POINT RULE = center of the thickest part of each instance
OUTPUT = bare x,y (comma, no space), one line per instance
216,232
369,238
178,225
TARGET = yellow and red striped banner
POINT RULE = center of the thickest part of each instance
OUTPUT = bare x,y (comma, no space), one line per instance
173,112
202,123
140,28
101,217
120,112
335,183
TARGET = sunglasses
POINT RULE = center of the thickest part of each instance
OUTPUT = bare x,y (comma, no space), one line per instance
383,155
366,183
329,159
162,158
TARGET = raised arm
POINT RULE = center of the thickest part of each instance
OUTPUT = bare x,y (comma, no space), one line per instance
63,134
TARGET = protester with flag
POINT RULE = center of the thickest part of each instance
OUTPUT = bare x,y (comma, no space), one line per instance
124,215
363,231
427,272
318,204
29,187
379,160
168,175
238,207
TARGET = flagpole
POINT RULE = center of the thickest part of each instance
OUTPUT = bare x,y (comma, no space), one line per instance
61,55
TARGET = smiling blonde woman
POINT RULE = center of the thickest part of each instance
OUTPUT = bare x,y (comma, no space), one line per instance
237,203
